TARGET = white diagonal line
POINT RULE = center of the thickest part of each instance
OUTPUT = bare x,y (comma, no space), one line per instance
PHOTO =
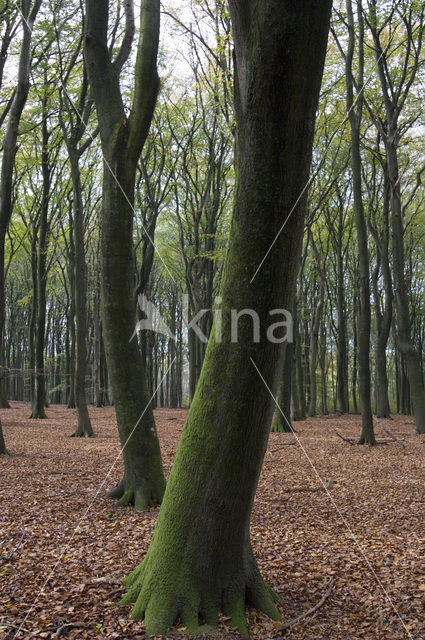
89,506
337,509
322,159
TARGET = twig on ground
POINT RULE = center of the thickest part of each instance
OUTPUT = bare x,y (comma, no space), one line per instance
287,444
349,440
392,436
71,625
310,611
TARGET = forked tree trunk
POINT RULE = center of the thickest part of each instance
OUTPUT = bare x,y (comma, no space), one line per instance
200,560
122,139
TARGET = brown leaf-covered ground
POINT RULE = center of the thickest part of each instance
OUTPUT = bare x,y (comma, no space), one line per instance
64,545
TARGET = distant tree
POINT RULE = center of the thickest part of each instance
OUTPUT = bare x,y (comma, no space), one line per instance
200,560
14,110
355,111
396,81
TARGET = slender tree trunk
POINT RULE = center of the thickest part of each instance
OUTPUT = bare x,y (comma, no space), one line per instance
354,111
97,365
383,319
9,149
314,334
39,398
342,342
84,428
282,415
404,338
200,559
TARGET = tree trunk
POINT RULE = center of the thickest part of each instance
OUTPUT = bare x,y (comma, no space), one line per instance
97,337
354,111
314,333
84,428
122,140
404,338
200,559
38,401
9,149
342,402
383,318
282,415
3,450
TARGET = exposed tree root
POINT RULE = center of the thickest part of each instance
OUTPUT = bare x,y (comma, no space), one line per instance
141,497
81,434
162,596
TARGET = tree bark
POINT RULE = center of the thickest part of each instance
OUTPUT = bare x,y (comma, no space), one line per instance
38,401
3,450
8,162
354,111
122,140
84,428
314,332
200,560
282,415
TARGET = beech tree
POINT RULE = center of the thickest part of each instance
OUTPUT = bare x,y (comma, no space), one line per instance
354,111
122,137
395,87
200,560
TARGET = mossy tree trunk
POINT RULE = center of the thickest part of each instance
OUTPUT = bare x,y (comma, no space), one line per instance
200,560
122,140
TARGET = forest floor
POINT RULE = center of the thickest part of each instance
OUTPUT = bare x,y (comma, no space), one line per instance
64,546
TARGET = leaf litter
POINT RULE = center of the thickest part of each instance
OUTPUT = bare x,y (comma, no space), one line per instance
357,518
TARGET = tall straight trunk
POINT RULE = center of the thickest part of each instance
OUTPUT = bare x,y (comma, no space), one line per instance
97,337
342,402
354,111
9,150
282,415
314,333
403,323
122,139
296,407
38,401
395,90
383,319
323,371
200,559
84,428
